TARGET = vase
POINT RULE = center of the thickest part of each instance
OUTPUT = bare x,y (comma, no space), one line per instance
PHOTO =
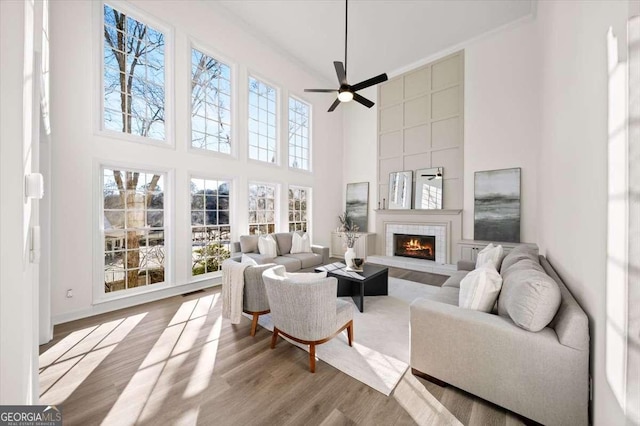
348,256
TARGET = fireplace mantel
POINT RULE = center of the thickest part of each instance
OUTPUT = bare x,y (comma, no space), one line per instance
450,220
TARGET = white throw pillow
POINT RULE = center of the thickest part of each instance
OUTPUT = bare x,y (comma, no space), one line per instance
300,243
479,290
267,246
489,254
246,259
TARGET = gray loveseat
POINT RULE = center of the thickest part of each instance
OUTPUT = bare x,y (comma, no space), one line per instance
543,375
248,245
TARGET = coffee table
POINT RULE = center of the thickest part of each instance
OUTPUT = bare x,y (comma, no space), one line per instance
374,282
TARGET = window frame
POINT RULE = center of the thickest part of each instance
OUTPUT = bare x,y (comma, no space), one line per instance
99,295
169,64
235,134
309,191
233,236
276,206
278,89
310,159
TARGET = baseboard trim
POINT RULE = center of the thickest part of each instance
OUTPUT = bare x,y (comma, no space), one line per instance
138,299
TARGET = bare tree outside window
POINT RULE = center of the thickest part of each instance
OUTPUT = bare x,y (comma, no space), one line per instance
134,81
262,121
134,233
210,103
298,209
262,206
299,117
134,103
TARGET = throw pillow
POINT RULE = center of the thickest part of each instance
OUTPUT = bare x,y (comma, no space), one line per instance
267,246
524,264
518,253
283,240
300,243
530,298
490,254
246,259
480,288
249,243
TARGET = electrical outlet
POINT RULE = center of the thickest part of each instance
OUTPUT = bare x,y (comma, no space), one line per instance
69,294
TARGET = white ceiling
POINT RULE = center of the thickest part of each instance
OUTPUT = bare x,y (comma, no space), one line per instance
384,35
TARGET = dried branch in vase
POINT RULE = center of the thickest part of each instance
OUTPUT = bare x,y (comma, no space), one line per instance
348,230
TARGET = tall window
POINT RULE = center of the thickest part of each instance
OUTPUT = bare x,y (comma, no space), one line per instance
298,209
299,117
262,208
134,228
210,103
262,121
210,225
134,76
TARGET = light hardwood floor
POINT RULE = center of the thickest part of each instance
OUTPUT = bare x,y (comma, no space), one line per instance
175,362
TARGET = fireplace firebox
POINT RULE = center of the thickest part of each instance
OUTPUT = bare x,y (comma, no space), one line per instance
416,246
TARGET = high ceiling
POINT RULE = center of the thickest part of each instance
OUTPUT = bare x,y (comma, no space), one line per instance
384,35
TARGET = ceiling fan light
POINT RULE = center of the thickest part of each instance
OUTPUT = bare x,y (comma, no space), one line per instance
345,96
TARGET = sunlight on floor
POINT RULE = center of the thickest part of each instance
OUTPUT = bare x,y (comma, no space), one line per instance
64,366
387,368
423,407
151,385
201,375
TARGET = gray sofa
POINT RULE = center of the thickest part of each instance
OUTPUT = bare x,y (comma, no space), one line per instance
248,245
543,375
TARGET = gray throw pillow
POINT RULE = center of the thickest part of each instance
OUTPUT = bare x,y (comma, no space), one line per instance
518,253
522,264
249,243
530,298
284,240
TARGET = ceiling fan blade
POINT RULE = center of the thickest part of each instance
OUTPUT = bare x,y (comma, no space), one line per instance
364,101
342,76
372,81
334,105
321,90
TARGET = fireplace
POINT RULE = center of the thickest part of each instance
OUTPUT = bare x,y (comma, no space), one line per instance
416,246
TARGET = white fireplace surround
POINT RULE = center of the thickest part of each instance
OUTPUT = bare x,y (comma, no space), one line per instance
438,231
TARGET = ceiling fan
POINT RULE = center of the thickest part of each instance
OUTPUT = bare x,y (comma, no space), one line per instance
438,175
347,92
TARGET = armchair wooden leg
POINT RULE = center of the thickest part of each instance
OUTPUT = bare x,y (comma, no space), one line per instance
274,338
254,323
312,357
350,332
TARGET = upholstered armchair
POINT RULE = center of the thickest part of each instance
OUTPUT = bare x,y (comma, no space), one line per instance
305,308
254,298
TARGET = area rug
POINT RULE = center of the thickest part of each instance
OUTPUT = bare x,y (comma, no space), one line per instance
380,353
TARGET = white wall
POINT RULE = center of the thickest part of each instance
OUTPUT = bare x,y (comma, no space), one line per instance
18,156
501,123
572,186
502,116
360,138
76,147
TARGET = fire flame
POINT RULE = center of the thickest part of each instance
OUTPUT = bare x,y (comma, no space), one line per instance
414,245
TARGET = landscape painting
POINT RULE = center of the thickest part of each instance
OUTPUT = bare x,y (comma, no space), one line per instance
497,205
358,204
